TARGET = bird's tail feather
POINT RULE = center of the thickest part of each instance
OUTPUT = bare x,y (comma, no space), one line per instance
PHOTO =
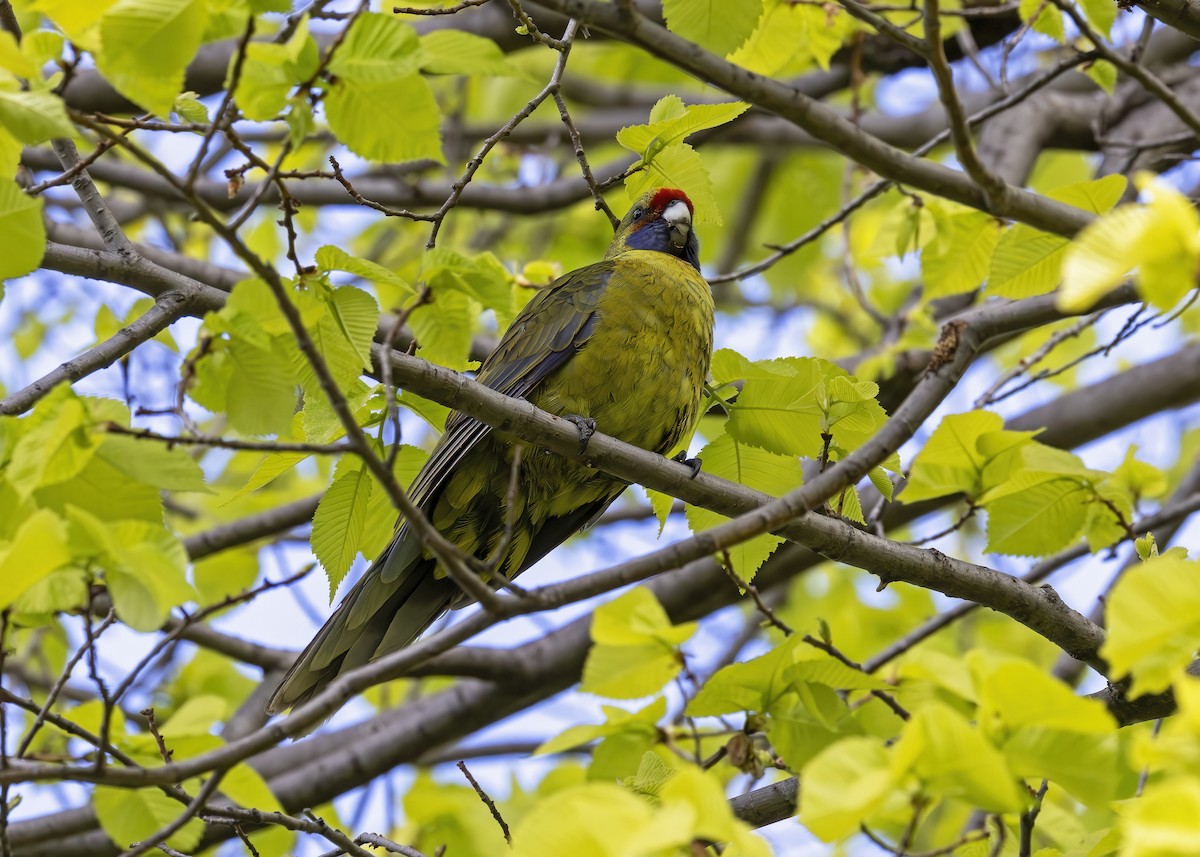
369,623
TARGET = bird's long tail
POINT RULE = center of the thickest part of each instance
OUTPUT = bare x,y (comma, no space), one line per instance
378,616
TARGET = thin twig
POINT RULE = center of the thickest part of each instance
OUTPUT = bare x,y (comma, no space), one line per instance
487,801
437,10
1037,356
581,156
167,309
994,187
563,46
228,443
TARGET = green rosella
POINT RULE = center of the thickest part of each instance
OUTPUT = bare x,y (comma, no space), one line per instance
621,346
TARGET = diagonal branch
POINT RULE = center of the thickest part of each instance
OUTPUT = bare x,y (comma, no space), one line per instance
168,308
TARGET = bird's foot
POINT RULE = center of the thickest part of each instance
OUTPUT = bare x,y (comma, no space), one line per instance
587,428
693,463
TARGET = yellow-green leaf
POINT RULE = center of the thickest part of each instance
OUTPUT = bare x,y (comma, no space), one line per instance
131,815
34,117
338,525
1153,616
38,548
1161,238
146,45
1028,262
843,786
720,27
755,468
411,134
22,233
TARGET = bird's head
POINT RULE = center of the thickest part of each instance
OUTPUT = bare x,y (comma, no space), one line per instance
660,220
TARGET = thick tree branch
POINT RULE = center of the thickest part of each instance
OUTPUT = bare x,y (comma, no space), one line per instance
824,123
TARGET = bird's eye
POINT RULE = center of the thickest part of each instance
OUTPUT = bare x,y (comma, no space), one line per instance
639,213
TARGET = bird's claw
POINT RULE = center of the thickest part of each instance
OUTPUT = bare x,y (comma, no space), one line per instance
693,463
587,428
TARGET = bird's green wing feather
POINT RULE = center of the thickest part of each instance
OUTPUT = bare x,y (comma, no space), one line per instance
551,328
545,334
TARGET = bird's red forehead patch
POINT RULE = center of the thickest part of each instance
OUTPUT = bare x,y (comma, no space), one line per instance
666,195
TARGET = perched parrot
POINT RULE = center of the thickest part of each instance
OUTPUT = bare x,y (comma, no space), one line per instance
622,346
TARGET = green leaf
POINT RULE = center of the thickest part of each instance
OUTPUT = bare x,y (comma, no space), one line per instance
957,259
80,21
661,504
357,316
702,795
381,512
195,716
55,447
1045,729
1153,616
22,233
482,278
153,463
459,52
786,404
261,393
453,816
601,819
844,786
143,566
1087,766
60,591
755,468
829,671
13,59
443,329
1037,516
1049,20
1103,74
679,123
225,573
678,166
412,134
636,647
1014,693
720,27
330,258
1163,821
652,774
269,71
132,815
1161,238
793,36
950,461
806,721
105,492
752,685
247,787
1028,262
145,47
379,48
952,759
616,721
34,117
338,525
38,549
1100,14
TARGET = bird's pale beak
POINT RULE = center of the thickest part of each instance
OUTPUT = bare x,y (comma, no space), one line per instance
680,219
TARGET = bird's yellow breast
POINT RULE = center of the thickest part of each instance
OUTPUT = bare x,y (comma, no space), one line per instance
641,374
